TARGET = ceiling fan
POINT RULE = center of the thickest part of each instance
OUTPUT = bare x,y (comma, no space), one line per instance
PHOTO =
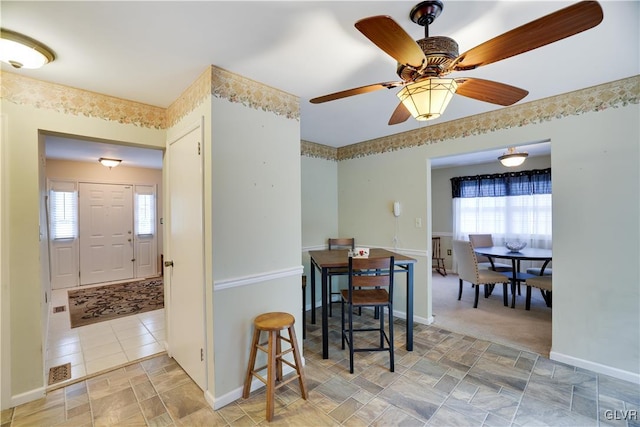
423,64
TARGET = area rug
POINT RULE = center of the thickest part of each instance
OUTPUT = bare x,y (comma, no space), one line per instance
97,304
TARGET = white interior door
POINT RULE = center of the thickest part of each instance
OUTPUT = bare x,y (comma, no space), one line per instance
186,322
106,233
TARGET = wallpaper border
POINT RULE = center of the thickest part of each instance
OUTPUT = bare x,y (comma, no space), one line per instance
597,98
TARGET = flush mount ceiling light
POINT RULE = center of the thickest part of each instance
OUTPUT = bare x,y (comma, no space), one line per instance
110,163
512,158
427,99
23,52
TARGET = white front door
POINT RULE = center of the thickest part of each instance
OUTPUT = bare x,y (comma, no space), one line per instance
186,252
106,232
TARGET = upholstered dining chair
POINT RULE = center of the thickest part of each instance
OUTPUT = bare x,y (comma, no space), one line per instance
468,271
370,285
484,241
544,283
544,270
338,243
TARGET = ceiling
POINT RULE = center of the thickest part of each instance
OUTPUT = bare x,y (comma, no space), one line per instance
151,52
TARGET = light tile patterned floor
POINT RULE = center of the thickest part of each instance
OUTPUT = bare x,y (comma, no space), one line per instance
94,348
448,380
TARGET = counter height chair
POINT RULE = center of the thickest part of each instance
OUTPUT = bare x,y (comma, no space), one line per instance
485,241
468,271
437,260
338,243
370,285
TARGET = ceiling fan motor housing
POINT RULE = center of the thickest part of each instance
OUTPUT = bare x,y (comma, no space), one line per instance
440,52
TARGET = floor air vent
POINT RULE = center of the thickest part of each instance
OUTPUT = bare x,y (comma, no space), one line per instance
60,373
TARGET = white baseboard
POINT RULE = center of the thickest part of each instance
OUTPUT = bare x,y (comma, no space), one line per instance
28,396
595,367
416,319
233,395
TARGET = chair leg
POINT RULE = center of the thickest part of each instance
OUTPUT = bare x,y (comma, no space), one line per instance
296,357
351,352
330,302
271,378
460,291
475,303
527,301
391,360
252,361
343,330
505,294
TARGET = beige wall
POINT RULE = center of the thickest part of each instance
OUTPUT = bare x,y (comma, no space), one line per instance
319,185
595,204
256,210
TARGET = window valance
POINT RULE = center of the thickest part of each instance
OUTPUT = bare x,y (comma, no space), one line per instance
535,181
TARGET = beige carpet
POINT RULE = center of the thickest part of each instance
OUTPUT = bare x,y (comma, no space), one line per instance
518,328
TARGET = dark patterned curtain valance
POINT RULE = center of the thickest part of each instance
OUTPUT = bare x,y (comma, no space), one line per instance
536,181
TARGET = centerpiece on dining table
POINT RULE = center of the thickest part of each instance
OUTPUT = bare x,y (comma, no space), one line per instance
515,246
359,253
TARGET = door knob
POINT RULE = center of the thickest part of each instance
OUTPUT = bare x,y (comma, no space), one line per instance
168,263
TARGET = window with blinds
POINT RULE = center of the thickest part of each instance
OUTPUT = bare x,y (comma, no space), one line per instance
145,214
64,214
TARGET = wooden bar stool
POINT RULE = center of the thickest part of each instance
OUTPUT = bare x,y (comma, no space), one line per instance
273,323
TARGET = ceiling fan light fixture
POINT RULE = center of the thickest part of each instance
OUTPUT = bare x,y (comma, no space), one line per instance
23,52
110,163
427,99
513,158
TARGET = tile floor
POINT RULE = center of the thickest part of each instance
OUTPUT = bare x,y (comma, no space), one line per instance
450,379
94,348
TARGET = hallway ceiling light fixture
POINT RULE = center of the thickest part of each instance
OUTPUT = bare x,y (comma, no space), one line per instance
427,99
23,52
110,163
513,158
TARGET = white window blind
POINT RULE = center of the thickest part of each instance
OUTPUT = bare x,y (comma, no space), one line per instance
64,214
145,218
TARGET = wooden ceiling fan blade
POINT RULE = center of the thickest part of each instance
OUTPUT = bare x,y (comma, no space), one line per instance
385,33
400,115
543,31
490,91
354,91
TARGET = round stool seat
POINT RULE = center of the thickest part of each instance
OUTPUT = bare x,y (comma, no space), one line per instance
274,321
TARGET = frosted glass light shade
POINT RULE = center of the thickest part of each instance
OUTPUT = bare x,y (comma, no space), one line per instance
427,99
23,52
110,163
512,158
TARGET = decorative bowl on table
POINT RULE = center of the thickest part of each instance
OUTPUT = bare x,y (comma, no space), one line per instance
515,246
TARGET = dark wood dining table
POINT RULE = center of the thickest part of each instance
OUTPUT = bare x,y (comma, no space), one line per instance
525,254
324,260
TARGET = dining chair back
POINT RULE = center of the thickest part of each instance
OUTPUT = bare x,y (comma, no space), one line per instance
485,241
468,271
370,285
348,243
437,260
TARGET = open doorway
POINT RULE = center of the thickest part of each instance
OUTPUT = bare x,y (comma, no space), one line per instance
130,201
528,330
